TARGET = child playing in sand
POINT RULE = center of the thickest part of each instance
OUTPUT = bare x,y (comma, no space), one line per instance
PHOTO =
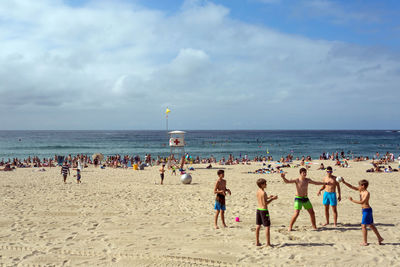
367,218
262,215
65,171
162,171
220,190
329,197
301,200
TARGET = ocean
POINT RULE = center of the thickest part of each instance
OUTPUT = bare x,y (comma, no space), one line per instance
275,143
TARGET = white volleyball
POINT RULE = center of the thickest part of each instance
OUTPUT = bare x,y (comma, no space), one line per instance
186,178
339,179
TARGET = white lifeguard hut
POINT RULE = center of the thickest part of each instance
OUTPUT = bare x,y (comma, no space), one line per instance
177,143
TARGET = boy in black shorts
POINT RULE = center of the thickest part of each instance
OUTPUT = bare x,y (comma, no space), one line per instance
162,171
262,216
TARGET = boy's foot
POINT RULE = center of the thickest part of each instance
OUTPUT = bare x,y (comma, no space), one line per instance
289,229
364,244
225,226
216,227
335,225
380,241
325,224
258,244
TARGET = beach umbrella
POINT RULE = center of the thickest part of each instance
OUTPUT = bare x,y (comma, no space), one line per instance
99,156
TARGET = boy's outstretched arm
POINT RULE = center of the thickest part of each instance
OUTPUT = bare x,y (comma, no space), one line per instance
286,180
364,199
349,185
317,183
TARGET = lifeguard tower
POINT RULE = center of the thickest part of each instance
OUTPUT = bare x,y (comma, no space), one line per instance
177,143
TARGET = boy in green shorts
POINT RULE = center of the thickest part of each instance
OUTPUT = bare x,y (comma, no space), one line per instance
262,216
301,200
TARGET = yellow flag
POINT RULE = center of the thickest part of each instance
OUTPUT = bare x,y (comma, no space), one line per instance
167,111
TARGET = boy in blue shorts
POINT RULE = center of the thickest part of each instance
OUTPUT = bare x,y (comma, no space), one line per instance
367,218
220,190
329,198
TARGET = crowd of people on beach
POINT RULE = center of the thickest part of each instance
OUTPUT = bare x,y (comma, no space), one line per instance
126,161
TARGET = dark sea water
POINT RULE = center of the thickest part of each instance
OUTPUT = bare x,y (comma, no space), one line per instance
199,143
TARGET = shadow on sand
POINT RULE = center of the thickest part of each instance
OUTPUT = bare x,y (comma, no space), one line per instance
306,245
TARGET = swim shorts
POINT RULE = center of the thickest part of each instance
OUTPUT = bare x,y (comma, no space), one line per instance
329,198
367,217
300,202
262,217
220,202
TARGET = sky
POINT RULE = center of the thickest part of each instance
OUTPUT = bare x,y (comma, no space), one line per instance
223,64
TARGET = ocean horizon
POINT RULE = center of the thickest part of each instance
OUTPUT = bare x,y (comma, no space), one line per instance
202,143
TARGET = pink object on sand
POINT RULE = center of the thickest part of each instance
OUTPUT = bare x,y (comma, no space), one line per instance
237,219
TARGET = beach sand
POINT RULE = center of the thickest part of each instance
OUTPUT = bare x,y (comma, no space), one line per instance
125,217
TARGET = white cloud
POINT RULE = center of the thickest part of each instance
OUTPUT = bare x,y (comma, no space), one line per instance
120,62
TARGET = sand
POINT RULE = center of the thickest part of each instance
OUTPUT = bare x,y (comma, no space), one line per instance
122,217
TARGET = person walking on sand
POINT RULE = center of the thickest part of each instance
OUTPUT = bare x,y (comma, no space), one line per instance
329,197
301,200
65,171
367,218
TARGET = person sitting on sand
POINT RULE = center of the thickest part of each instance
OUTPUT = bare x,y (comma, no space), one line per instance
262,215
367,218
329,198
321,167
301,200
7,168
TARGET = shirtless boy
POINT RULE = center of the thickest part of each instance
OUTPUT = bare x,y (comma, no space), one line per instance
162,171
301,200
220,190
329,197
262,216
367,218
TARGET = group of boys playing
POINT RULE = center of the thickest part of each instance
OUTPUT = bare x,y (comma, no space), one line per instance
301,200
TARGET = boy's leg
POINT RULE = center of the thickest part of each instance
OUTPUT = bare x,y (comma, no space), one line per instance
326,214
364,233
380,239
312,216
335,215
293,220
258,235
216,219
267,235
223,218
